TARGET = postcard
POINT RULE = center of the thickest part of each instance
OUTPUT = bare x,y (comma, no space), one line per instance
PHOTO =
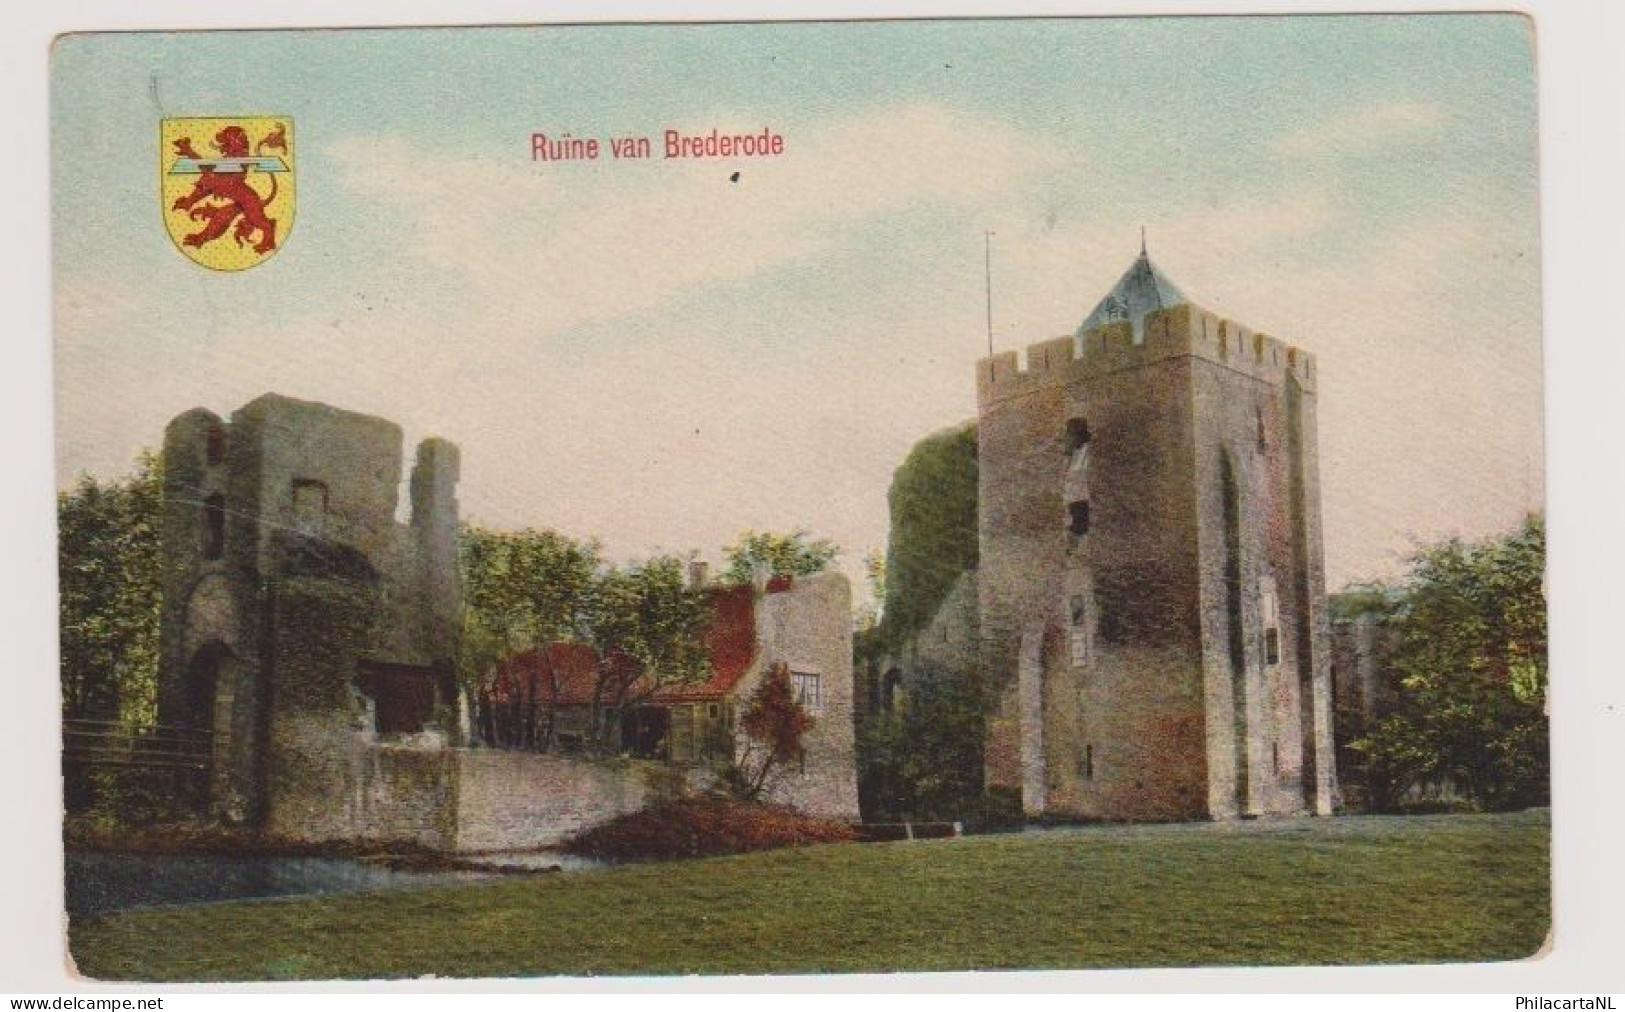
800,497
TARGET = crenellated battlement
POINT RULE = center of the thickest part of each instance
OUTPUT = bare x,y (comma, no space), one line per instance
1183,330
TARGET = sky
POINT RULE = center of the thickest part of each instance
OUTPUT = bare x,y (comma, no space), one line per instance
661,357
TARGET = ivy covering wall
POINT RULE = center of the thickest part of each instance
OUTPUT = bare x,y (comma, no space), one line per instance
933,529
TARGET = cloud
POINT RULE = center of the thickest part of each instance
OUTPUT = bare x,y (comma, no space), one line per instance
1426,329
569,244
91,314
658,356
82,304
1361,130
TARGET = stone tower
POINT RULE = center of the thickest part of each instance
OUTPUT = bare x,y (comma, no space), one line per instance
1151,589
297,611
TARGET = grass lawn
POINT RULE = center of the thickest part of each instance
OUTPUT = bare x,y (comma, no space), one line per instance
1450,888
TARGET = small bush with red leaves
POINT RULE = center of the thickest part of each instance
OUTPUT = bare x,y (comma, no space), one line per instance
705,827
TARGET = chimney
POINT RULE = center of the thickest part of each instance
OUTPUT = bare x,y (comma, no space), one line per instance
698,575
760,572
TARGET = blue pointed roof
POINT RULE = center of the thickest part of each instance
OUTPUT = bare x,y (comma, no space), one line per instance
1142,289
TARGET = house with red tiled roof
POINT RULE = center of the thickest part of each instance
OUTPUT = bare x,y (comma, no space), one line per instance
543,699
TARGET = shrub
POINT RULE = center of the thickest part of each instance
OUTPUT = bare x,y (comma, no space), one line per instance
705,827
1471,659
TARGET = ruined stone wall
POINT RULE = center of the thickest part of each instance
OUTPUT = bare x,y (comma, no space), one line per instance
950,644
209,625
1255,709
319,630
436,616
189,480
809,628
1365,687
1322,791
354,458
314,578
285,568
352,788
453,799
1022,547
1123,730
1362,649
1119,734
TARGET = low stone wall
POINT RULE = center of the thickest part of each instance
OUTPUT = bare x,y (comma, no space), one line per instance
424,795
408,796
516,800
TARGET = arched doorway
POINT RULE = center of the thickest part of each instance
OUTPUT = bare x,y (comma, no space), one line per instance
213,702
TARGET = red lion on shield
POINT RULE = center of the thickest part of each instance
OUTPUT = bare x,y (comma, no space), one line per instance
220,198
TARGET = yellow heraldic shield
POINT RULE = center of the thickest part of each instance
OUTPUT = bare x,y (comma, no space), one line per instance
227,186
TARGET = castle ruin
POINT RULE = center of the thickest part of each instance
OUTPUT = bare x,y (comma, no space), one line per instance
313,637
1152,606
296,609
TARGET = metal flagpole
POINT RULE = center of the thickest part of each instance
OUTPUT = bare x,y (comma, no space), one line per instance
987,241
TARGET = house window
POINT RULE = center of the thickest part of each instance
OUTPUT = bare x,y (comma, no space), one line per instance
214,526
682,734
310,507
807,690
1078,517
711,731
1080,630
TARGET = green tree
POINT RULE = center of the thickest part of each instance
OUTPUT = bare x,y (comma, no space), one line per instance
521,590
874,571
524,590
793,554
649,627
924,760
1471,665
110,594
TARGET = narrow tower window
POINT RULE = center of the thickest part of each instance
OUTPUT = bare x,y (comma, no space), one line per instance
310,507
1080,630
1076,483
214,526
1269,616
1077,434
1078,517
214,444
